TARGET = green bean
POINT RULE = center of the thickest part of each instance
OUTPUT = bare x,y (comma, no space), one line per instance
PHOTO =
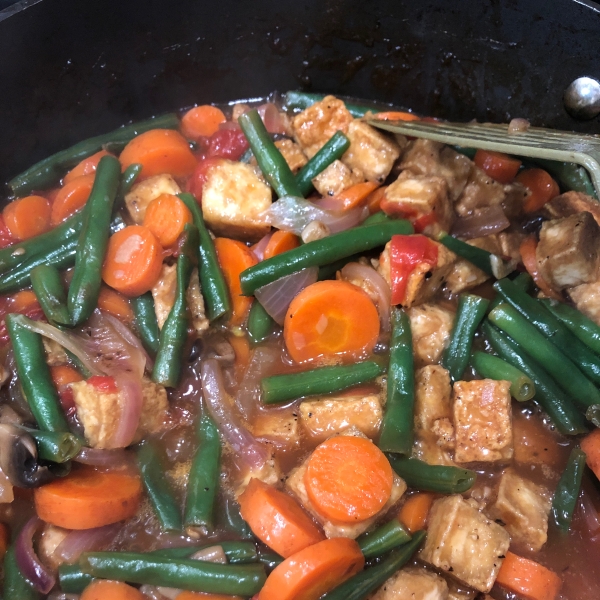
491,367
46,172
321,252
269,159
333,149
229,518
302,100
397,427
260,324
49,289
236,552
580,389
186,574
468,152
156,486
34,376
145,322
16,586
522,281
580,325
552,328
72,580
270,559
129,177
378,217
383,539
482,259
212,281
173,335
363,584
567,491
571,176
323,380
471,310
548,395
247,156
433,478
203,481
93,241
55,446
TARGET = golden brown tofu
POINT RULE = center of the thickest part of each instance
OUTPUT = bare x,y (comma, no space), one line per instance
55,353
510,244
480,191
431,326
280,427
587,300
292,153
464,542
145,191
234,199
336,178
269,473
568,252
163,293
414,583
324,417
195,302
315,125
572,203
50,539
482,421
523,507
370,151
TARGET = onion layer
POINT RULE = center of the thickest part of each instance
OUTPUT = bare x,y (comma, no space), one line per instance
487,221
86,540
100,457
28,561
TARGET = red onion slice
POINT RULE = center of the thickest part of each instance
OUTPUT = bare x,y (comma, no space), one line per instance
244,444
486,222
360,275
132,403
271,117
259,248
276,297
86,540
101,457
28,561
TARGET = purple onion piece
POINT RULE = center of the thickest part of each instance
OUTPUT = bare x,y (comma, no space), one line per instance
86,540
486,222
29,564
99,457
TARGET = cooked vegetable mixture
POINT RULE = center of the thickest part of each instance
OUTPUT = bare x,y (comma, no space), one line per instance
271,352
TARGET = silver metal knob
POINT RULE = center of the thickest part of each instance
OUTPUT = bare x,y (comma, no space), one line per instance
582,98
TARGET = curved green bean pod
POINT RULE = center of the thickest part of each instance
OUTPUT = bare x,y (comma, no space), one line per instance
129,177
580,325
260,323
433,478
491,367
567,491
16,586
383,539
236,552
72,580
145,322
482,259
55,446
49,289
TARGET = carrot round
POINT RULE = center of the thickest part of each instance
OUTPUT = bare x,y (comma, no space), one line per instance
23,300
330,319
159,151
590,444
115,304
374,199
166,216
541,188
395,115
529,257
355,196
88,498
497,165
281,241
348,479
86,167
201,121
71,197
234,257
105,589
27,217
64,374
528,579
133,260
312,572
414,512
277,519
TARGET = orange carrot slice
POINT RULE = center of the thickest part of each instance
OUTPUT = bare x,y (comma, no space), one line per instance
497,165
115,304
281,241
201,121
64,374
86,167
528,579
27,217
166,217
71,198
105,589
414,512
541,188
395,115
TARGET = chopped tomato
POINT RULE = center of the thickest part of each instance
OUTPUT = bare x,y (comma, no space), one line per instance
397,209
227,143
199,177
108,385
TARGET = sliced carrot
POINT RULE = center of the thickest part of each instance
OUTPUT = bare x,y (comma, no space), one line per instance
541,188
330,319
159,151
186,595
201,121
4,540
281,241
6,239
87,498
241,347
71,198
105,589
234,257
23,300
497,165
348,479
63,375
87,166
166,216
590,444
354,196
395,115
133,261
115,304
312,572
27,217
374,199
277,519
414,512
528,579
529,257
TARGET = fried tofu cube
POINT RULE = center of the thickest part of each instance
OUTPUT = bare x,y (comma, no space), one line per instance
280,427
587,300
481,191
523,507
292,153
370,151
324,417
335,178
195,303
568,252
55,353
295,484
572,203
315,125
50,539
269,473
464,276
145,191
463,541
418,196
234,199
482,421
431,326
415,583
